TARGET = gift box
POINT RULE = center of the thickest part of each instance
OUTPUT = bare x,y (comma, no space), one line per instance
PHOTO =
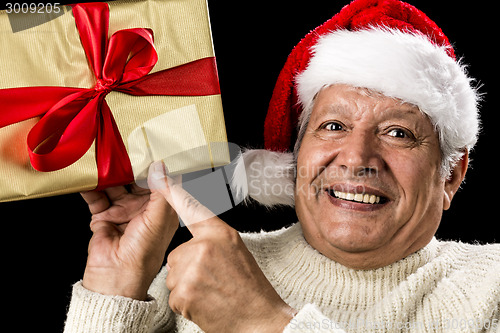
90,98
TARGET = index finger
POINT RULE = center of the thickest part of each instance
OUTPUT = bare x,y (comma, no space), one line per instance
97,201
210,226
190,210
197,218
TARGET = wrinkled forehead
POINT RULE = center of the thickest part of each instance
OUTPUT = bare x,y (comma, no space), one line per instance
355,103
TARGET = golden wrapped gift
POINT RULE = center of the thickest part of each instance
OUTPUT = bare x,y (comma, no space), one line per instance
157,118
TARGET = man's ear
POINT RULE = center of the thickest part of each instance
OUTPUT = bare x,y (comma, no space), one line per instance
453,182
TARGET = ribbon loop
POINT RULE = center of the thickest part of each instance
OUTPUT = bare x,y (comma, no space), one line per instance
92,23
130,56
72,135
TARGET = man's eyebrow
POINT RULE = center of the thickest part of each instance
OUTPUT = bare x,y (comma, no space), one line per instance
400,110
395,111
337,109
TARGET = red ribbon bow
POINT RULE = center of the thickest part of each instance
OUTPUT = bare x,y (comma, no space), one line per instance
74,117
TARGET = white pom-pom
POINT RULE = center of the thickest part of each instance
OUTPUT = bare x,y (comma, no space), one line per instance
265,176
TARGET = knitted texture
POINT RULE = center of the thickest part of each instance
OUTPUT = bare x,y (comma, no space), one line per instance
444,287
439,287
93,312
96,313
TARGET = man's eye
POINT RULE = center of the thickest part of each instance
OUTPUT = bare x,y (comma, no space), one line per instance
399,133
333,126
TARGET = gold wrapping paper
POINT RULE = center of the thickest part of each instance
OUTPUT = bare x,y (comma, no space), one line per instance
51,55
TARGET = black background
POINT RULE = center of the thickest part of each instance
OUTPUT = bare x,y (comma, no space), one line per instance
44,241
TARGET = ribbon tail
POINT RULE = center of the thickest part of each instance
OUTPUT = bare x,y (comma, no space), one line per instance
19,104
113,163
196,78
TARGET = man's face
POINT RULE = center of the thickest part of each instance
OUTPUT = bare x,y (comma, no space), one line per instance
369,190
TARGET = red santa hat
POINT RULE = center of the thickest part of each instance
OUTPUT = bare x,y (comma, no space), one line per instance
384,45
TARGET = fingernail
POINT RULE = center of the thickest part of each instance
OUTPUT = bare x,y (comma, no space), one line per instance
157,176
158,171
158,166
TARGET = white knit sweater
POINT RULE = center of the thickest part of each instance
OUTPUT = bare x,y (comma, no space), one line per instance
444,287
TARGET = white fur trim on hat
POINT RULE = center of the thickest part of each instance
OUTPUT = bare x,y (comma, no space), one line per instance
403,65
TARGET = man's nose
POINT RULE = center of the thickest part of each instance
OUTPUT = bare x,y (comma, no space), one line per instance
360,153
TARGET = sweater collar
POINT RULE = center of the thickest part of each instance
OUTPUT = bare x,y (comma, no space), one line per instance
293,258
297,248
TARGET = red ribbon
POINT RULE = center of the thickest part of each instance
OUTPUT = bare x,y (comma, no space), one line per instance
74,117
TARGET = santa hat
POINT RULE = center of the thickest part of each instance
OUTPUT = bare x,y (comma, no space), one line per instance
384,45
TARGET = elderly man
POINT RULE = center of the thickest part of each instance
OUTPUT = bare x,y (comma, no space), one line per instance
386,118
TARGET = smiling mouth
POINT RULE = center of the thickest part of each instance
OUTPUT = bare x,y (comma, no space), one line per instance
365,198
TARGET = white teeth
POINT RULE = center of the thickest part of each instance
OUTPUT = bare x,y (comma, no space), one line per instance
373,198
358,197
